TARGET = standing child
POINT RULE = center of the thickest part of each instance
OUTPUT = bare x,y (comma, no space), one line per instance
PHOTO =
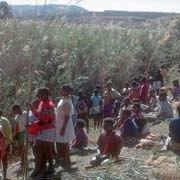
158,81
20,118
109,96
96,103
5,141
83,108
74,99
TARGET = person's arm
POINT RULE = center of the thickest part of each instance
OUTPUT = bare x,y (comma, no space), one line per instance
116,95
67,110
100,143
7,132
33,110
126,129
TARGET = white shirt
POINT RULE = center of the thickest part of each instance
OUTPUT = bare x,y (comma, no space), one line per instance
21,120
69,131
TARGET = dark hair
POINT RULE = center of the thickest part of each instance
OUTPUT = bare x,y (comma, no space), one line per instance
127,112
15,106
134,84
176,83
109,83
43,91
163,95
109,121
138,105
136,100
144,79
72,90
96,91
98,86
127,99
80,123
80,93
67,89
152,91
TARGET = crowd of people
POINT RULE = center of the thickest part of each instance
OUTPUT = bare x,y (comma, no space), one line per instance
58,129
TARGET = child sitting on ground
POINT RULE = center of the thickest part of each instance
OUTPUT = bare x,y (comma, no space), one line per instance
140,120
164,109
81,140
109,144
152,99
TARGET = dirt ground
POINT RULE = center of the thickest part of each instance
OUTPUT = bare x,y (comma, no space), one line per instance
134,164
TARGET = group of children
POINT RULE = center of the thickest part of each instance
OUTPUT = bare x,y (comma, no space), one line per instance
58,129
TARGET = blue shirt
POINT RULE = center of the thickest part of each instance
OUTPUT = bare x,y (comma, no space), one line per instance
130,129
174,129
96,100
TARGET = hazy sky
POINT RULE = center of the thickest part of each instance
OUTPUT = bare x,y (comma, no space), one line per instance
100,5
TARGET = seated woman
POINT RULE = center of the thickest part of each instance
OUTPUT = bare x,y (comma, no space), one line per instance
128,128
164,109
109,144
81,140
140,120
173,141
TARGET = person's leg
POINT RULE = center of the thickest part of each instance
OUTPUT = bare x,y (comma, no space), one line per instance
5,165
59,153
54,152
50,156
94,122
44,157
67,160
64,154
98,121
37,151
86,117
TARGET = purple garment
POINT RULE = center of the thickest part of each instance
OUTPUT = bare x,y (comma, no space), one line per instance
81,140
108,110
176,92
